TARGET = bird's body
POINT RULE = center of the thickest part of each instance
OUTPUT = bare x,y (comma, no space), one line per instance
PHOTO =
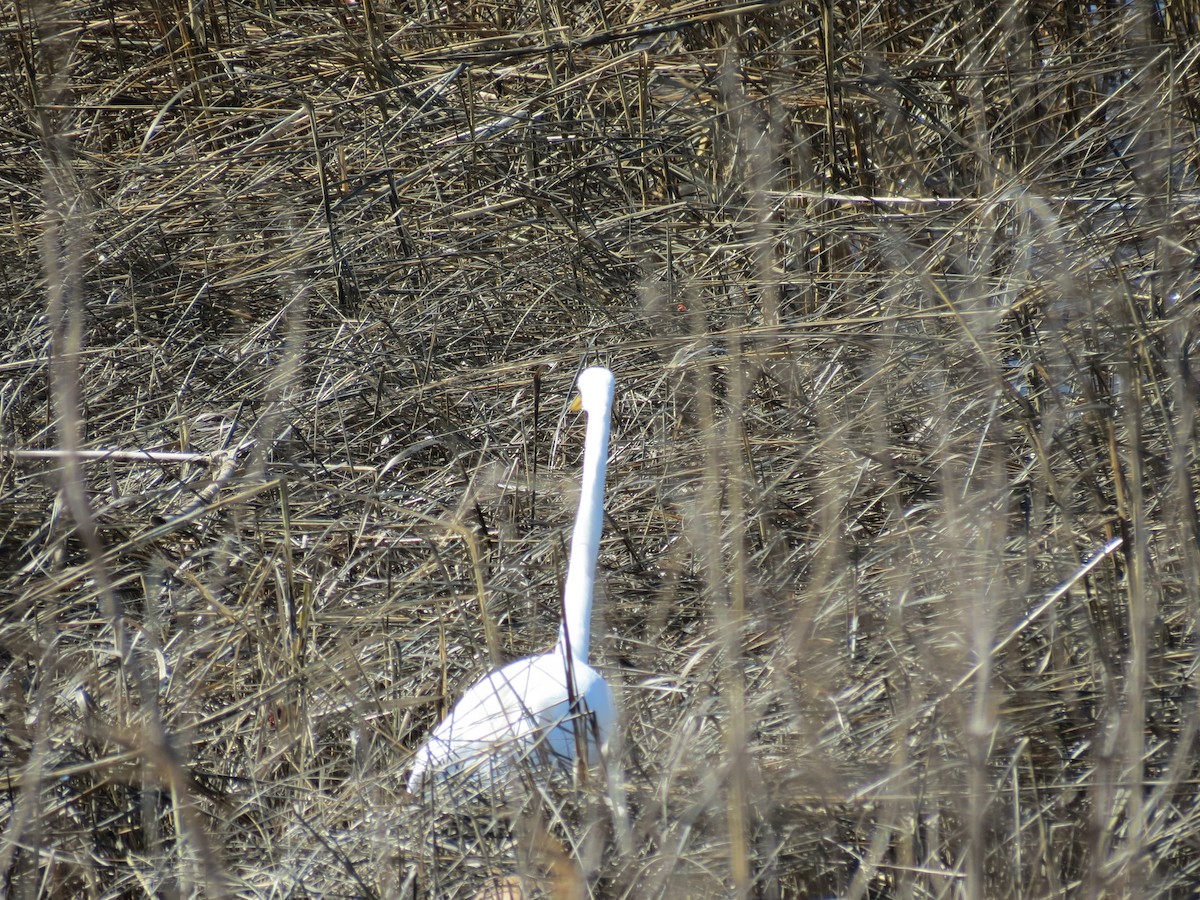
519,719
539,712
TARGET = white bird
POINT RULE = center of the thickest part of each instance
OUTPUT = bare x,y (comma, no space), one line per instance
539,712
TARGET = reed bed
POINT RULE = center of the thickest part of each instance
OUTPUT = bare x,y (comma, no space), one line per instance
898,589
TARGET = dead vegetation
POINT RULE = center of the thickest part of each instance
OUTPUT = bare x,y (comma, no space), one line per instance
900,299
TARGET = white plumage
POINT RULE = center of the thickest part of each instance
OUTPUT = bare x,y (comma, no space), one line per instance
523,718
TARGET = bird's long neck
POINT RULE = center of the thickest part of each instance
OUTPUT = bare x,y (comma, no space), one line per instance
576,630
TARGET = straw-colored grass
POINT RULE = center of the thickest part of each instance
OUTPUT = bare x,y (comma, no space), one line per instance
901,302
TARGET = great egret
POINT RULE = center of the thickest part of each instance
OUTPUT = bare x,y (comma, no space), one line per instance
540,712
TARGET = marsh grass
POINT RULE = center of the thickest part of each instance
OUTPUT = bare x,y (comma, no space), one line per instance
900,299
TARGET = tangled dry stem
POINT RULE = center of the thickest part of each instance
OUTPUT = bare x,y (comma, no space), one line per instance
900,298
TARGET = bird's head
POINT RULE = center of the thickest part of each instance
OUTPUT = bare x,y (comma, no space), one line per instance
595,385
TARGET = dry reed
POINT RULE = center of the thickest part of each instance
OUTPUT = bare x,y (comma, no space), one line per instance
900,298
